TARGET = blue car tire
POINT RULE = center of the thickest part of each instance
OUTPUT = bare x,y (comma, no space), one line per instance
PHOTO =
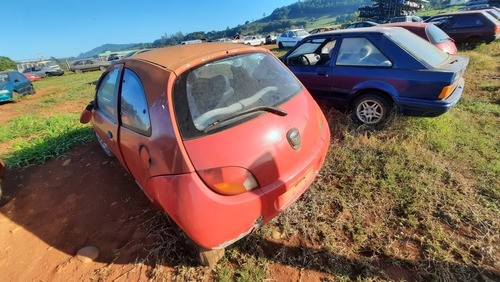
372,110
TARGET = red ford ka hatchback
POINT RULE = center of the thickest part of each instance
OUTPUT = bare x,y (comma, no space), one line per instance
221,136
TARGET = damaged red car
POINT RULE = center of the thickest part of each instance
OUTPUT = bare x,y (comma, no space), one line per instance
223,137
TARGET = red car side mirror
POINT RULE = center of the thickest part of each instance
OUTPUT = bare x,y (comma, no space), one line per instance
86,116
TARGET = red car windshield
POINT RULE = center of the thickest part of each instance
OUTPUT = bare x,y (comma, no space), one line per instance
226,92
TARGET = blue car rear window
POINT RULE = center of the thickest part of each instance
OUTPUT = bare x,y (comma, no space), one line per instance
419,48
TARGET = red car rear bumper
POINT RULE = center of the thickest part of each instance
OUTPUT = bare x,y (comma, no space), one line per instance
215,221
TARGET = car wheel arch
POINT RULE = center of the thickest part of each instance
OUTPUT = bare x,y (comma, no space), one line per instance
354,96
376,87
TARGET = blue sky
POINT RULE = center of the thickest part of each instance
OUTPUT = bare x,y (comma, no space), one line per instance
32,29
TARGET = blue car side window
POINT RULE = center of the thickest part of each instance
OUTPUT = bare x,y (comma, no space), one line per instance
359,51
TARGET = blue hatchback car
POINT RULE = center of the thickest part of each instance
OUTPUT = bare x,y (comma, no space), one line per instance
12,83
377,71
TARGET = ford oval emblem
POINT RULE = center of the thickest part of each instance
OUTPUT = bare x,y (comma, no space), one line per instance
293,137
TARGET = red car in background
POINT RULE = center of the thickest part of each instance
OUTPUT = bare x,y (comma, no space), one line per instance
468,27
431,33
32,77
221,136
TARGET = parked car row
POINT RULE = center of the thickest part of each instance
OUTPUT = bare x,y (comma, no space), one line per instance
231,90
427,31
469,27
464,27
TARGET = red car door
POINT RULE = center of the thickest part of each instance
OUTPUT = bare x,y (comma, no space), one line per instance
135,128
106,113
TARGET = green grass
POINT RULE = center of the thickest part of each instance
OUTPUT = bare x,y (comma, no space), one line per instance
48,123
418,200
39,139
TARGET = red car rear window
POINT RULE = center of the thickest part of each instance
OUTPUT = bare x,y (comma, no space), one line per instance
436,35
217,95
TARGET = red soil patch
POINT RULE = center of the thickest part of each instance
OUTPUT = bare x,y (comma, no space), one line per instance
49,212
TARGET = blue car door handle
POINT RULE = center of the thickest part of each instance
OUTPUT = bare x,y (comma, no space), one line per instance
323,73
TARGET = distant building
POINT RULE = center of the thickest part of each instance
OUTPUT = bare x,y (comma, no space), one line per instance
385,9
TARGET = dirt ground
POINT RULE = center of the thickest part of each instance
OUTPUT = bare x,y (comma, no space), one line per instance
49,212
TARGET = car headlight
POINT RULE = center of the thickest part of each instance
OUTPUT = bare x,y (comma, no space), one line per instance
4,91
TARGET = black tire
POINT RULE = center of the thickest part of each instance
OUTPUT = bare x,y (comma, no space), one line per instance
15,95
280,45
78,71
372,110
472,42
32,90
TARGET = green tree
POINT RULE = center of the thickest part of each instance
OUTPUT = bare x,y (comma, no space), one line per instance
6,63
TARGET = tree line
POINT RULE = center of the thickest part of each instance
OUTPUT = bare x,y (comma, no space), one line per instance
292,16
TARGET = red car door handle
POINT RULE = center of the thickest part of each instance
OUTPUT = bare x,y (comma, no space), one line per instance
110,135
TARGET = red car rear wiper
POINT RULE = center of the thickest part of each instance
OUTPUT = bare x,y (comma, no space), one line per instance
273,110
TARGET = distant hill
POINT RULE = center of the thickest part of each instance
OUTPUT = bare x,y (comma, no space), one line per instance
306,13
300,14
108,47
315,9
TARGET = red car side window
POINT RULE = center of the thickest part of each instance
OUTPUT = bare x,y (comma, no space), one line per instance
106,94
134,112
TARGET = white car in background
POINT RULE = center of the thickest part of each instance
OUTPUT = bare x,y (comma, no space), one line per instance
290,37
254,40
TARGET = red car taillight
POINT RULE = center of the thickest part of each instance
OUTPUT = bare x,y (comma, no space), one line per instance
229,180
